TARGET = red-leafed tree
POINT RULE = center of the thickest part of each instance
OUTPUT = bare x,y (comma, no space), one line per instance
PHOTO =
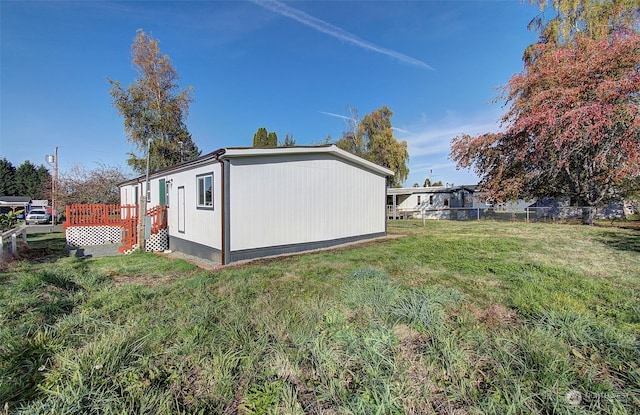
572,128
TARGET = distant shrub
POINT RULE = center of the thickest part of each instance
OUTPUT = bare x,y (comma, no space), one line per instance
8,221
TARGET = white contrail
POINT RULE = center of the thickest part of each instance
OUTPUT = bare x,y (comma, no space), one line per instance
331,114
344,117
400,130
331,30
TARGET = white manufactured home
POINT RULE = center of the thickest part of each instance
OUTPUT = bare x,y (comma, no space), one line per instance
411,201
241,203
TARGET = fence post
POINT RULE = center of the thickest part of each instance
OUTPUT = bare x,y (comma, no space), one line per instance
478,210
527,211
14,244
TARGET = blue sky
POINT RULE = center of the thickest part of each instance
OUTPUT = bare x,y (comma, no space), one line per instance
291,67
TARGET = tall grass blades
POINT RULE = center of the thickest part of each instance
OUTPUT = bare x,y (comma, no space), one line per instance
456,318
424,309
98,379
370,292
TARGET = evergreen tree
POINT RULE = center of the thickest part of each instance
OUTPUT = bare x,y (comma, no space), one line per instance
31,181
272,139
7,178
44,178
262,138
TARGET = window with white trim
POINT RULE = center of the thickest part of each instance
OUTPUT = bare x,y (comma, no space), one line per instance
205,191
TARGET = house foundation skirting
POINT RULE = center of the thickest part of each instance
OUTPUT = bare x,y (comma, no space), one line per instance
77,236
215,255
93,235
245,254
158,242
195,249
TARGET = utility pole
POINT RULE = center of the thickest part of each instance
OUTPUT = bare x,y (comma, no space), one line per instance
142,210
52,159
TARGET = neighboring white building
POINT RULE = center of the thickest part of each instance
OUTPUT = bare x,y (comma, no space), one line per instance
242,203
444,202
411,201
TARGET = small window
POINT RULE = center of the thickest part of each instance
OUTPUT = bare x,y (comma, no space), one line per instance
431,199
418,200
446,202
205,190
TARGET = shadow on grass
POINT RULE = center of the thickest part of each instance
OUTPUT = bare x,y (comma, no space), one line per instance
39,301
46,247
623,241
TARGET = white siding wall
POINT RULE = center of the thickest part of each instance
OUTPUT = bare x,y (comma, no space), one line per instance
411,202
127,194
302,199
439,200
202,226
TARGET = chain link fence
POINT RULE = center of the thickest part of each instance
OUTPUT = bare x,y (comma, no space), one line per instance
559,214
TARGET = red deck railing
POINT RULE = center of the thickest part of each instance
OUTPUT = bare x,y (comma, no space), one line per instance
129,235
158,218
125,216
96,215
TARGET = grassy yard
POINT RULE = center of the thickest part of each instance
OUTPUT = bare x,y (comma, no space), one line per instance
453,318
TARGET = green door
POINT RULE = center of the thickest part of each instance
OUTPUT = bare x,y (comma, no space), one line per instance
163,192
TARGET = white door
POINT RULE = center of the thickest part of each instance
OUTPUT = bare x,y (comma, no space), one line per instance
181,210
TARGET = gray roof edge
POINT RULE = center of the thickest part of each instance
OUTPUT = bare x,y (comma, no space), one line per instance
328,149
232,152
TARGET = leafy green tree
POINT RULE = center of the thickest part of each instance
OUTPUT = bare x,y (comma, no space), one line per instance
7,178
573,127
595,19
8,221
374,141
154,108
262,138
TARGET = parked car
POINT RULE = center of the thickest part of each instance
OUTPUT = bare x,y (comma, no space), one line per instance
38,216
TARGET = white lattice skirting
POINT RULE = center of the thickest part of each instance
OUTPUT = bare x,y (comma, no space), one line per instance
158,242
100,235
93,235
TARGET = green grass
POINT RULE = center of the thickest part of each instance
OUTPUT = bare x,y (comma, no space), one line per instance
454,317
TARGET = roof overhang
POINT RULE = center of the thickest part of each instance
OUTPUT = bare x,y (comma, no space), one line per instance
248,152
328,149
431,189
